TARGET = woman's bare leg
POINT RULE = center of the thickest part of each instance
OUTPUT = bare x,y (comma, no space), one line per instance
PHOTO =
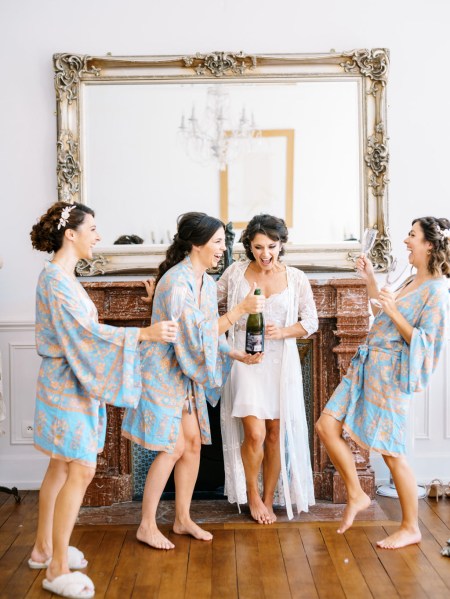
157,478
252,452
330,432
271,464
186,473
405,483
67,506
54,479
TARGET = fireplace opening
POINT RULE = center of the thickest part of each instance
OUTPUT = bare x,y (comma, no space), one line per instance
211,476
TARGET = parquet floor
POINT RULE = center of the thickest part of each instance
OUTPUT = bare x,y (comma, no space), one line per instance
304,559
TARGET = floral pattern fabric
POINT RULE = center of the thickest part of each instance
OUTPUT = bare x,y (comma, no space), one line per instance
196,365
84,365
373,398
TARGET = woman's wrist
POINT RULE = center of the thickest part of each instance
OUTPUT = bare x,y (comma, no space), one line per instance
145,334
234,314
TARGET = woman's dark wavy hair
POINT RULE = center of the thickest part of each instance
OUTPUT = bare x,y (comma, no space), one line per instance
272,226
193,228
439,260
45,235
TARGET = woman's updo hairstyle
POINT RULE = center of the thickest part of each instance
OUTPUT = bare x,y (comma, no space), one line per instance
271,226
437,232
45,234
193,228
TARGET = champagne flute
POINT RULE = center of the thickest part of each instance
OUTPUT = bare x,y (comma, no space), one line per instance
394,275
367,242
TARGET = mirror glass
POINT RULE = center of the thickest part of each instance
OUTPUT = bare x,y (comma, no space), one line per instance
143,139
140,173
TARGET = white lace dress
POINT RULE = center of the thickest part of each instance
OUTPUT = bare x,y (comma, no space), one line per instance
272,389
256,390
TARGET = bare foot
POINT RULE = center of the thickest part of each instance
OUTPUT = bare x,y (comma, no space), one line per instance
353,507
258,510
272,516
153,536
189,527
401,538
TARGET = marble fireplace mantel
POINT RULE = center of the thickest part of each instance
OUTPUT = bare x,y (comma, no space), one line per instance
344,322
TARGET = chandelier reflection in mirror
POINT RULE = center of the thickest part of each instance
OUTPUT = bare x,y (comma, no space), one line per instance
213,138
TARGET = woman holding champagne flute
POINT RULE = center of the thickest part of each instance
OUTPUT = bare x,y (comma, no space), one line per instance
172,416
401,352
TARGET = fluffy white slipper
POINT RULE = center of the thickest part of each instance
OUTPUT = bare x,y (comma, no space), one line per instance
75,559
74,586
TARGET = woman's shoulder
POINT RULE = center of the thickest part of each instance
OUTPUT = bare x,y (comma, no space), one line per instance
177,274
238,265
54,276
235,268
439,287
50,271
296,273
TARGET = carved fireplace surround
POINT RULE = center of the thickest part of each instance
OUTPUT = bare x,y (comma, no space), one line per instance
344,322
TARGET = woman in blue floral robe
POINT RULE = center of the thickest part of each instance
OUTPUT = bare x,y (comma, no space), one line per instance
84,365
172,415
401,351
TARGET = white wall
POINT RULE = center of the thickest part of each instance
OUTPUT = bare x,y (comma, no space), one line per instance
30,32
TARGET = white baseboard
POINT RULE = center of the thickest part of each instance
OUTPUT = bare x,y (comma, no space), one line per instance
24,472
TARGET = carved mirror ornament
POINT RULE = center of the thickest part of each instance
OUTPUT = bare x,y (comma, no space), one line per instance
368,67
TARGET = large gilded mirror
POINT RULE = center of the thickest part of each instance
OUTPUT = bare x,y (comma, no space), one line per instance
143,139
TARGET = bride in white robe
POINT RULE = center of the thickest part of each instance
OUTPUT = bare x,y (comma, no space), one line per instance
272,390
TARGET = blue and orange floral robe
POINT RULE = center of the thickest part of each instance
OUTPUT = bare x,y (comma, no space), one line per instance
84,365
373,398
198,362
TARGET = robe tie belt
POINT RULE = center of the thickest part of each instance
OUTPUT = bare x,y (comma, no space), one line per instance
358,361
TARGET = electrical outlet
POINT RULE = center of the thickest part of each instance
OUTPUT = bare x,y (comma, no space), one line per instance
27,429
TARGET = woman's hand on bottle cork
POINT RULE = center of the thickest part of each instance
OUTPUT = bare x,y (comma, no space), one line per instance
253,304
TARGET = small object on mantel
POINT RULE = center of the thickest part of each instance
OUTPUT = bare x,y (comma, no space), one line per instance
129,240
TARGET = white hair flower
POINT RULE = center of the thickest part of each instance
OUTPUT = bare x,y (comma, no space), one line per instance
65,215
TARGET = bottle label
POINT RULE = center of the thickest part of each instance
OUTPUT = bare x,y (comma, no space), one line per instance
254,342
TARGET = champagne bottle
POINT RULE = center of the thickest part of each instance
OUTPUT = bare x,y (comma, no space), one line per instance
254,334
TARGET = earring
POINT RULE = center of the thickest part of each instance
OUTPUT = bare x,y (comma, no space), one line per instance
429,252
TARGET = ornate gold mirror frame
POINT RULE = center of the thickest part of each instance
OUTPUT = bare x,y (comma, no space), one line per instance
369,67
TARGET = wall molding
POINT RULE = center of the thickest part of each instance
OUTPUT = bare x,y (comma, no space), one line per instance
23,471
424,419
17,325
15,399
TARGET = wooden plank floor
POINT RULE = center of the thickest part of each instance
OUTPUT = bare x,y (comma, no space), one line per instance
289,559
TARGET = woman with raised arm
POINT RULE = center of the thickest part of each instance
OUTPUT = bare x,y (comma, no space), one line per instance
264,429
172,416
401,351
84,365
